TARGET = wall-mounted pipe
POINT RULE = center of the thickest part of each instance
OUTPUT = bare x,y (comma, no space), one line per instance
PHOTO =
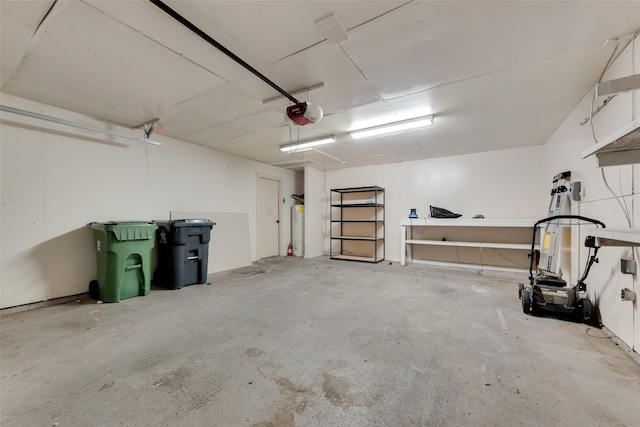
184,21
75,124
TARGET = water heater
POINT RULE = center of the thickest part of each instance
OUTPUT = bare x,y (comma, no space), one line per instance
297,229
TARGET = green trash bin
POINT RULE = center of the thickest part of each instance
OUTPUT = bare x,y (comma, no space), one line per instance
123,251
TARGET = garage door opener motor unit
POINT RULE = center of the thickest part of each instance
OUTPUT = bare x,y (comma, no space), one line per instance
304,113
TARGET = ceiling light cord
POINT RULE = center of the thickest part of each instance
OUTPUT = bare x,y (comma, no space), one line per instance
593,98
624,207
293,146
633,72
604,70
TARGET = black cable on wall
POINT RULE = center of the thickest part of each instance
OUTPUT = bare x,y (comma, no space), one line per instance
184,21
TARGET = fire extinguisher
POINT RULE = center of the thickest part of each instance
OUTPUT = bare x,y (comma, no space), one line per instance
290,250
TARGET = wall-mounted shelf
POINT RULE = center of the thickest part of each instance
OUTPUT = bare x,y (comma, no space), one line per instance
616,237
620,148
357,224
476,222
481,233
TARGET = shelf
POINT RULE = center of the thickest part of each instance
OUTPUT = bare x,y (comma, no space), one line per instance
506,226
469,266
358,189
367,239
358,205
357,258
478,222
616,237
620,148
522,246
357,224
362,221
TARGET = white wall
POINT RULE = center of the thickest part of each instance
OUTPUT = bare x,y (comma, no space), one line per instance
516,183
563,152
315,211
497,184
56,179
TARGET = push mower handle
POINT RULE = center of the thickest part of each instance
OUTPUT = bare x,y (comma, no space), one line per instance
583,218
552,218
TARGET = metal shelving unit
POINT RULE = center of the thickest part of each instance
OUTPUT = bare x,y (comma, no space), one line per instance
357,224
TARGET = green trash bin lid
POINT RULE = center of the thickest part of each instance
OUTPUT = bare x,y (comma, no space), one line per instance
127,230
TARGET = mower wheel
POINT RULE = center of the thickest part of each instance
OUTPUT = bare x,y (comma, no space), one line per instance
586,311
520,288
94,290
525,297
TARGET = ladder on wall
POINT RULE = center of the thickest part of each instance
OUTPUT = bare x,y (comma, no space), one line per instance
552,235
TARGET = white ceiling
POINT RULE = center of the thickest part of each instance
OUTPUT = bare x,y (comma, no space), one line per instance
496,74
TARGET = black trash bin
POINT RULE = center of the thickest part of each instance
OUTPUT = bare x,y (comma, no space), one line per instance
183,252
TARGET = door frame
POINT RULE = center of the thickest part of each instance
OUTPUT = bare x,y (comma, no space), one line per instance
279,179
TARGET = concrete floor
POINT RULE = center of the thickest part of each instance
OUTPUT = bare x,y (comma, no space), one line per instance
294,342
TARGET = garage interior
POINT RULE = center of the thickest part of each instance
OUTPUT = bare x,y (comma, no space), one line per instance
171,110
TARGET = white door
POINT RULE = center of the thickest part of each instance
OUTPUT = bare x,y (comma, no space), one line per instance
268,217
636,319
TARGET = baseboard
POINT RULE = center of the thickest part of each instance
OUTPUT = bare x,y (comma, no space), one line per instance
41,304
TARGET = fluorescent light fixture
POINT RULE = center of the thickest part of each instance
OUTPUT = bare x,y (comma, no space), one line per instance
307,145
394,127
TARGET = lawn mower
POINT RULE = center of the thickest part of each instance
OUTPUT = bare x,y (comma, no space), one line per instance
547,291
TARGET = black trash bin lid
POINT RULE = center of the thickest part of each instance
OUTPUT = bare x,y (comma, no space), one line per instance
189,222
193,221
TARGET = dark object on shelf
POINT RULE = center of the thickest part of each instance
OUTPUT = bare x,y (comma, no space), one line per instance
298,198
437,212
183,252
